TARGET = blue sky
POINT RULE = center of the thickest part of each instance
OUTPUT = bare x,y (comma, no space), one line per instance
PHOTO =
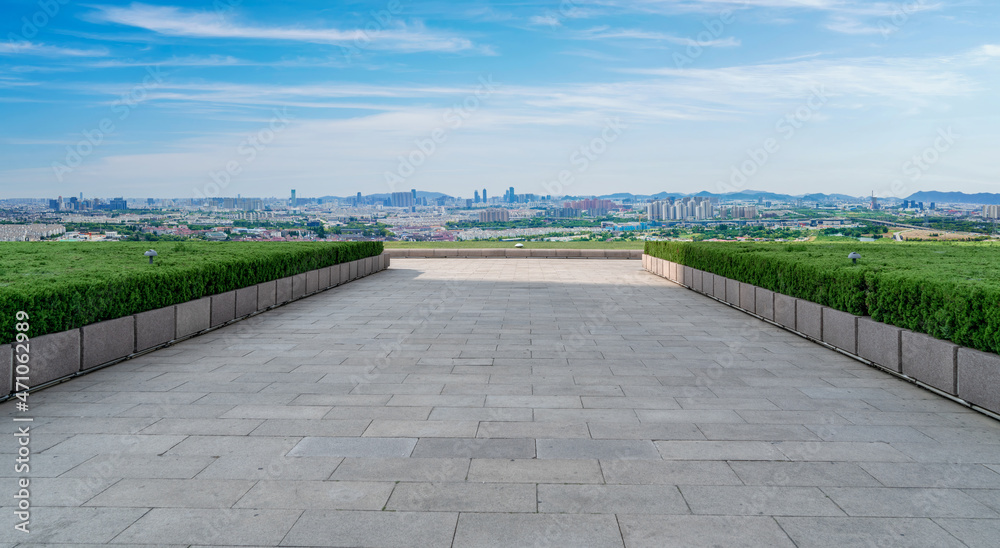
228,97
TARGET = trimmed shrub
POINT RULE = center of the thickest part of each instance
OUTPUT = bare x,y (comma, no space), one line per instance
65,285
949,291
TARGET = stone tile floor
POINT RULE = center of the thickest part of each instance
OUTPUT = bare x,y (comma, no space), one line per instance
503,402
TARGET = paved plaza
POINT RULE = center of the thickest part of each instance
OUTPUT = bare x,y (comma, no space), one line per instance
503,402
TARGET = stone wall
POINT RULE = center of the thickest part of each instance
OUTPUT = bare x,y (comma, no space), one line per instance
967,374
63,355
511,253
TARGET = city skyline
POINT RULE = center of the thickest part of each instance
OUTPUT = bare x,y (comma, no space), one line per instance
554,98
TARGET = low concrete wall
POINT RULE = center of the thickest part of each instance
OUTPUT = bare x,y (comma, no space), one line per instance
155,327
103,342
63,355
510,253
223,308
968,374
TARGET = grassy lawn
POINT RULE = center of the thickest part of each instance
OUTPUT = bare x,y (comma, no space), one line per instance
527,245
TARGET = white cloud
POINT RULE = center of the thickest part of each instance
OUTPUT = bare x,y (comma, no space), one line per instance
547,20
174,21
605,33
44,50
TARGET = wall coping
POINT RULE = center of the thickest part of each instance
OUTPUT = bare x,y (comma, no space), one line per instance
512,253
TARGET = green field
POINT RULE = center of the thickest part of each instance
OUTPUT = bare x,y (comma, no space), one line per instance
948,290
527,245
64,285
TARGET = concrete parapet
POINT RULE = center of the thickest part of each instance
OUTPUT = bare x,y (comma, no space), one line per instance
298,286
880,343
748,298
929,360
732,292
6,369
784,310
312,282
719,287
283,290
809,318
979,378
193,316
107,341
764,303
54,356
223,308
840,329
266,294
155,327
246,301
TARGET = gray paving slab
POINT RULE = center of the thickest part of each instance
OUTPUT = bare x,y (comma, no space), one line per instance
825,532
225,526
470,364
895,502
537,530
322,495
645,531
607,499
596,449
384,529
353,447
463,497
172,493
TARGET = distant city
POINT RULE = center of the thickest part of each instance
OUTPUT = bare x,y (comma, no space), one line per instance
433,216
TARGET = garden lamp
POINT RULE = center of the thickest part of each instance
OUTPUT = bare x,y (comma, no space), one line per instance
854,256
151,253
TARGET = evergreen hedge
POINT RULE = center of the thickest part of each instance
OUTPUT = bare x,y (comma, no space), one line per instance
949,291
64,285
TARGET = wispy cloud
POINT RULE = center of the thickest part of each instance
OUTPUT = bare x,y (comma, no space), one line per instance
45,50
175,21
606,33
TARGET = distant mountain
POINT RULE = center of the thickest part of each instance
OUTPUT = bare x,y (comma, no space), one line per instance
955,198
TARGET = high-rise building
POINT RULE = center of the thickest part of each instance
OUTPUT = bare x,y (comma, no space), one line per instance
485,199
494,215
293,202
991,211
511,197
403,199
476,198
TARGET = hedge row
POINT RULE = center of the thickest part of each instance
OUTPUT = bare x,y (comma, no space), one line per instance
945,304
117,280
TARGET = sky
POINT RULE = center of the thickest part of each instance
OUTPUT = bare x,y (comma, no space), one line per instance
567,97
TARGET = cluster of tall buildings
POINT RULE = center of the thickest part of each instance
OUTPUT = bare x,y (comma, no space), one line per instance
79,204
991,211
494,216
403,199
593,206
679,209
740,212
